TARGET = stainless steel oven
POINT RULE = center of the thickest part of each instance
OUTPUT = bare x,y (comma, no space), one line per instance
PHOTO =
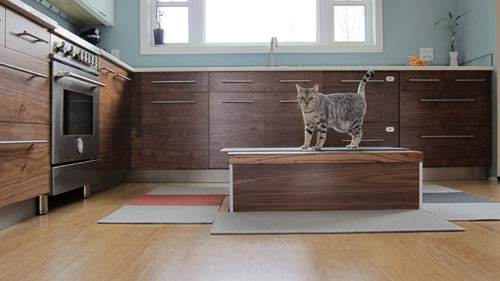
75,116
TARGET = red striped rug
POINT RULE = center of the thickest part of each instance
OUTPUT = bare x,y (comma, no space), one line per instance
179,200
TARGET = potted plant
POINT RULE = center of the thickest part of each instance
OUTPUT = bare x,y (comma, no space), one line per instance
451,22
158,32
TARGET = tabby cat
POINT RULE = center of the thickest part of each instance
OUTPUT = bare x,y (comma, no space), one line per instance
343,112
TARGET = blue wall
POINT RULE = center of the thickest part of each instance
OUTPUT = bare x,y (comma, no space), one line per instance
61,21
408,25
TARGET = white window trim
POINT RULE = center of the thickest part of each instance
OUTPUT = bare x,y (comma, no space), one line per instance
147,23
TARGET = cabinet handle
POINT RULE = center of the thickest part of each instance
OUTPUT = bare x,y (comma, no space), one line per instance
37,39
36,74
175,82
237,101
24,142
295,81
237,81
288,101
367,140
122,76
79,77
424,80
447,100
470,80
107,69
359,81
448,136
173,101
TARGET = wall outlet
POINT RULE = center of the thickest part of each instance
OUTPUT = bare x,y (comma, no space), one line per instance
115,53
427,54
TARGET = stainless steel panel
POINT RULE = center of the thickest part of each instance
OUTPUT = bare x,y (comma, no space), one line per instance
71,176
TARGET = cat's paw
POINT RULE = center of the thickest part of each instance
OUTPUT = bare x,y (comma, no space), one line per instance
317,148
351,146
304,147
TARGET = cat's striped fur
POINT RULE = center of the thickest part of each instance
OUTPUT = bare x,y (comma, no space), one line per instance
343,112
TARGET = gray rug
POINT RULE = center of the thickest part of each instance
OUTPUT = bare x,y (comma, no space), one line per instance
454,205
329,222
162,214
190,190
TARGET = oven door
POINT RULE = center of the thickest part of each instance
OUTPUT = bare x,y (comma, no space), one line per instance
75,115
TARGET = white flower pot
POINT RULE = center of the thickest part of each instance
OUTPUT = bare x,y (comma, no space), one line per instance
453,58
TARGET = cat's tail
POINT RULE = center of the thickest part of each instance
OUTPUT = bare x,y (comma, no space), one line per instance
369,75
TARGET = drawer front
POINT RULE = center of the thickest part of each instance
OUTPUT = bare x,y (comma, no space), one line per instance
285,124
24,161
255,81
2,25
450,147
175,131
423,80
26,36
374,135
25,98
474,81
236,120
174,82
445,108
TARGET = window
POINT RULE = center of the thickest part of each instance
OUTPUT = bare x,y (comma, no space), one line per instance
241,26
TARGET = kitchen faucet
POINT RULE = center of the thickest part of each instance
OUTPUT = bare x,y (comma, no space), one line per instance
274,43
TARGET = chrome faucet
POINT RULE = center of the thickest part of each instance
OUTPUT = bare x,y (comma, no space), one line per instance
274,44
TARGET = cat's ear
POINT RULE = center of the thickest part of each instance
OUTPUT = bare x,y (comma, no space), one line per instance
316,88
298,87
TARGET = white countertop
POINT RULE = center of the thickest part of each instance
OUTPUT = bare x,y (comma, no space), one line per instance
314,68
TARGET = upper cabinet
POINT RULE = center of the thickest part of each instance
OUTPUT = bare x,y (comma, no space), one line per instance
88,11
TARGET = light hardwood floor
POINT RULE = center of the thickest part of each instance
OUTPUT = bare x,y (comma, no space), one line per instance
68,244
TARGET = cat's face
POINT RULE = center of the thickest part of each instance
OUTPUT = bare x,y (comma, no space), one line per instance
307,97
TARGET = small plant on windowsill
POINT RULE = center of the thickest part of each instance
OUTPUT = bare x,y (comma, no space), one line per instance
158,32
451,22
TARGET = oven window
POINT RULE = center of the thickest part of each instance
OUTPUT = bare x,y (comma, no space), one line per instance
78,114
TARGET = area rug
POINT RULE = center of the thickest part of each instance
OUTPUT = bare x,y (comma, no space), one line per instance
454,205
171,205
330,222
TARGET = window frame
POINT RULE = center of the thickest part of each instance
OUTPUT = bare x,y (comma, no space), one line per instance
325,37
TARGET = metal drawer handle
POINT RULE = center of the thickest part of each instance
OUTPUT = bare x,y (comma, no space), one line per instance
36,74
367,140
107,69
237,81
237,101
470,80
173,101
447,100
288,101
295,81
359,81
24,142
37,39
175,82
448,136
123,77
424,80
79,77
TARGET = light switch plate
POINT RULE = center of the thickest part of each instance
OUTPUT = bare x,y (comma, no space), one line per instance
427,54
115,53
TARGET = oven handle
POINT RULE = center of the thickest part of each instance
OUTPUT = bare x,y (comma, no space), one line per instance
78,77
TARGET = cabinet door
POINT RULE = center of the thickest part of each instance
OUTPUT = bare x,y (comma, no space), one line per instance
2,25
236,120
175,131
121,130
285,124
105,9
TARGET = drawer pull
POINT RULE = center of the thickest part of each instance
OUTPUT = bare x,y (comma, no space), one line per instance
175,82
447,100
173,101
79,77
448,136
237,81
359,81
122,76
288,101
470,80
295,81
367,140
37,39
24,142
424,80
107,69
237,101
36,74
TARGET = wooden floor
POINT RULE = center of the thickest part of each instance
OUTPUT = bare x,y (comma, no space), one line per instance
68,244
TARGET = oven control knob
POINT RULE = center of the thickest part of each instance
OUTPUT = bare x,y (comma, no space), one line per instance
69,51
79,145
59,46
